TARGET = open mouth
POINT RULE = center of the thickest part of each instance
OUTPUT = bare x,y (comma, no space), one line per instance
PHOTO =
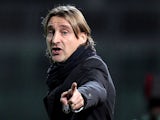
56,51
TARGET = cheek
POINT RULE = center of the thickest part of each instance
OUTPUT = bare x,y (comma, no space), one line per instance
71,46
69,49
74,47
48,46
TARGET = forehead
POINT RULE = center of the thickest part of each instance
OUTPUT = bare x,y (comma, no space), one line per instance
58,22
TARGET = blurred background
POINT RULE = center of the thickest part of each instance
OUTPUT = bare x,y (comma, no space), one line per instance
126,32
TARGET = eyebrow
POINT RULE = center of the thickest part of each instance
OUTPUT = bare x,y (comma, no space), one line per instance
65,27
49,27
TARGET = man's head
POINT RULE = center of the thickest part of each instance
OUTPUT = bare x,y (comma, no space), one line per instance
65,29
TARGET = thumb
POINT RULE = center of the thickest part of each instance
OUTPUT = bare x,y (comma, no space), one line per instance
63,98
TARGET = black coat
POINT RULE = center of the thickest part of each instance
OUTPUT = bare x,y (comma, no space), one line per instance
96,86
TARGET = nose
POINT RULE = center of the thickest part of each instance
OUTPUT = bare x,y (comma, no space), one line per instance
55,38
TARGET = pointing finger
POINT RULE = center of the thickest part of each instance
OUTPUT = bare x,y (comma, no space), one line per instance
74,86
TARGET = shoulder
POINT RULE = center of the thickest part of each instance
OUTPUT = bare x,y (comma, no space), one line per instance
94,62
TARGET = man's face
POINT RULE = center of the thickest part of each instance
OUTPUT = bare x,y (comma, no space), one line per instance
61,40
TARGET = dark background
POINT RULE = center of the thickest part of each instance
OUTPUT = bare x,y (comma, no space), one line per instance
127,37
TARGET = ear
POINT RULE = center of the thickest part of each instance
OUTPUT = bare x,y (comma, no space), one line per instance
83,37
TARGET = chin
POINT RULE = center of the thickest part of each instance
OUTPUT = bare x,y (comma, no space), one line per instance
56,59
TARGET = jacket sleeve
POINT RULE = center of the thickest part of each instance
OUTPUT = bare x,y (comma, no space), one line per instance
93,93
97,79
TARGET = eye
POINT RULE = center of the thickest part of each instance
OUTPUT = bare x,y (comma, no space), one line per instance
50,32
64,32
50,29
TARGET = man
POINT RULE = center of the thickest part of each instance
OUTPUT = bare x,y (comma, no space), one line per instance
80,86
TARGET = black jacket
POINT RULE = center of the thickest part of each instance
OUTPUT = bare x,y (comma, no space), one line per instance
94,83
